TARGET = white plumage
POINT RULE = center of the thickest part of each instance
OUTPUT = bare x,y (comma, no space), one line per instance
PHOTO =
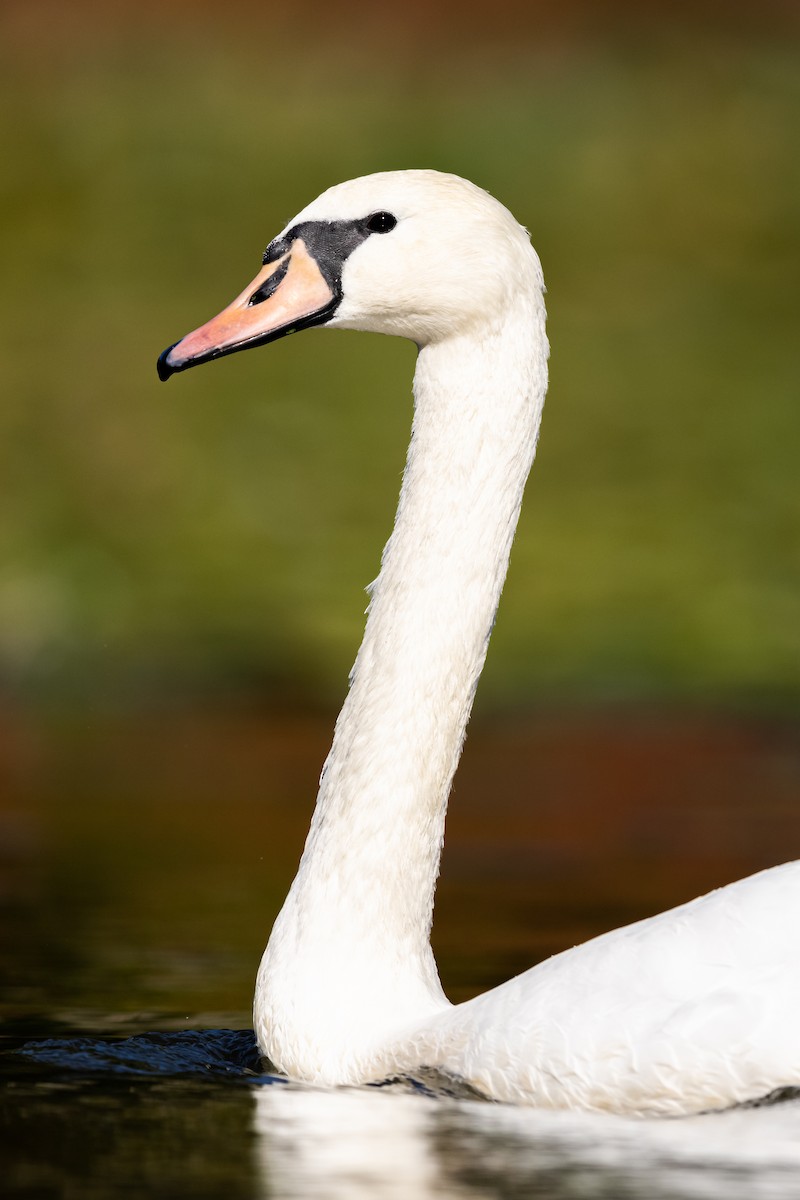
690,1010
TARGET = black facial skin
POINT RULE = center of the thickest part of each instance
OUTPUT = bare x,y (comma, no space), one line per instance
330,244
271,286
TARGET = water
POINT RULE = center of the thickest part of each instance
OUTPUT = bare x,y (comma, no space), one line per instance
143,866
192,1114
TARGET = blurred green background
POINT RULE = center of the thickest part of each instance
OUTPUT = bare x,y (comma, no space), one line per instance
213,538
182,568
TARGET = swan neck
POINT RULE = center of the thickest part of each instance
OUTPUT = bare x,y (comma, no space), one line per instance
363,895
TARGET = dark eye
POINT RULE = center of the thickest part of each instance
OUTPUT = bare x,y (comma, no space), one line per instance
381,222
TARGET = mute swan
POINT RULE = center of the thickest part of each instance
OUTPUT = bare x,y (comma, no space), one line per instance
694,1009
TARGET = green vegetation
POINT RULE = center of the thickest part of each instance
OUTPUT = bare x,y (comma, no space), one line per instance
216,534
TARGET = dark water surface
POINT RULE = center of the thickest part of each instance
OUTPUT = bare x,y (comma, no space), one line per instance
143,863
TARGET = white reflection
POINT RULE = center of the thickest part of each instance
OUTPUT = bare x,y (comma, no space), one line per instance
349,1144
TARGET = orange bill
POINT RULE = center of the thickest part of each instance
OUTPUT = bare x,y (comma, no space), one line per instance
287,294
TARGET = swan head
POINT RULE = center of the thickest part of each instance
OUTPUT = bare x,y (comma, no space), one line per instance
418,254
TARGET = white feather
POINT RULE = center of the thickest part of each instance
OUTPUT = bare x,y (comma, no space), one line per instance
690,1010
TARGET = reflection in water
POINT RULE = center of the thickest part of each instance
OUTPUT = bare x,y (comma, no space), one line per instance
189,1114
365,1143
352,1145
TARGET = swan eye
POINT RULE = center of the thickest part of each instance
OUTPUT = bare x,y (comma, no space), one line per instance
381,222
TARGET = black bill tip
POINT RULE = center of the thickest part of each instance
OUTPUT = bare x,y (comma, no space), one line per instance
163,366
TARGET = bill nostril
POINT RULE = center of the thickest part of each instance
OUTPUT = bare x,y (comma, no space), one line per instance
269,286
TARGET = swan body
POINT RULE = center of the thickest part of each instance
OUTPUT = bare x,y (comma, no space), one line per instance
690,1010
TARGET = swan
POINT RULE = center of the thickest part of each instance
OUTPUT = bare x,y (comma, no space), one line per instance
697,1008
